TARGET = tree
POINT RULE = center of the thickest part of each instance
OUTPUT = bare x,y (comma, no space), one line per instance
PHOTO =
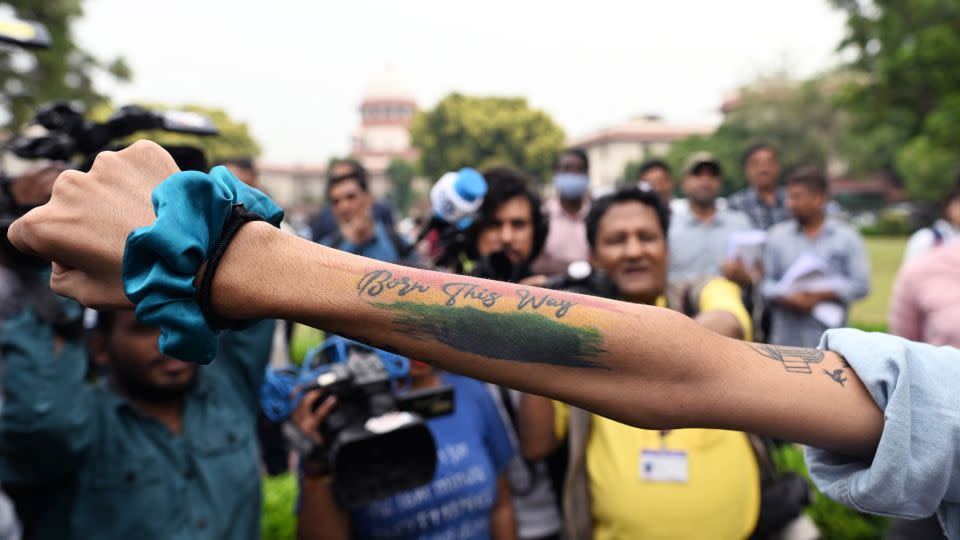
401,173
483,131
233,141
908,53
65,71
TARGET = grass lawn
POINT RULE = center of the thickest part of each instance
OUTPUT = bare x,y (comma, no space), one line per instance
885,255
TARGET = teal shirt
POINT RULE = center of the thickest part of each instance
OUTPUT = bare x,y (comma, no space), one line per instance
90,466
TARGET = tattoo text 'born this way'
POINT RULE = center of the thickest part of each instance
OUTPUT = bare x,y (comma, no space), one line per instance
463,293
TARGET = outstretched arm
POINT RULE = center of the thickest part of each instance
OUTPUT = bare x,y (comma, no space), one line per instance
638,364
641,365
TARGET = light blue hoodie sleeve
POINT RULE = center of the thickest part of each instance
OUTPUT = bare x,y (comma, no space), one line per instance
916,470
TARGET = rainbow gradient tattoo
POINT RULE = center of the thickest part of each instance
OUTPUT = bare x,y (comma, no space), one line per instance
496,320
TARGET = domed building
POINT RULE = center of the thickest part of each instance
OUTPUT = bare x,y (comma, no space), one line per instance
386,112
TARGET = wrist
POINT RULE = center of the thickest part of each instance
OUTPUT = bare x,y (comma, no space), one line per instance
238,285
315,468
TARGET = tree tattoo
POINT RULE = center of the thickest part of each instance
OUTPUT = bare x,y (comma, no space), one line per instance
469,329
794,359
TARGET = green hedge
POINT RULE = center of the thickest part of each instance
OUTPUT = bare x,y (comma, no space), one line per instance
836,522
279,495
869,327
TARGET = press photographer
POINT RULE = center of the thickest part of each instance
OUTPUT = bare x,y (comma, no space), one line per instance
467,497
376,443
159,448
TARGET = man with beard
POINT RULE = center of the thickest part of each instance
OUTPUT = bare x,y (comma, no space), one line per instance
162,449
509,233
814,235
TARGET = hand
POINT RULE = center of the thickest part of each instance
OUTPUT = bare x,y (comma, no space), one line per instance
737,272
308,417
802,302
34,188
84,227
359,230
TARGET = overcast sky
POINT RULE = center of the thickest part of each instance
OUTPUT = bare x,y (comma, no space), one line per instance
295,71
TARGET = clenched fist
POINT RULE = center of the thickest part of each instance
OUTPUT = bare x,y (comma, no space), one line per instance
84,227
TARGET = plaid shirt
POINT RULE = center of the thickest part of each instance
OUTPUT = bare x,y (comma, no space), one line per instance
761,215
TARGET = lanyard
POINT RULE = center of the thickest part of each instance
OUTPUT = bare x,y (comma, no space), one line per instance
663,438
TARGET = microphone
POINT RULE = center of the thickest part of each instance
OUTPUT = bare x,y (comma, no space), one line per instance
457,196
454,199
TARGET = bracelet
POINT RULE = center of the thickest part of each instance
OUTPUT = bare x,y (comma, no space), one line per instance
160,261
239,217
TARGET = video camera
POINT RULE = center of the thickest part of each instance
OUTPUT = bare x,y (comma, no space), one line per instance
376,440
68,136
69,133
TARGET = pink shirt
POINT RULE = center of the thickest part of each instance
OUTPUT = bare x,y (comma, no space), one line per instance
926,298
566,242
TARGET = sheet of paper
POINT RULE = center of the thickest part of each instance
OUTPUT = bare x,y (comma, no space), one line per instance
830,314
747,246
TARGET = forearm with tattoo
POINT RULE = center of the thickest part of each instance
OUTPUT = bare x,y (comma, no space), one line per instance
461,314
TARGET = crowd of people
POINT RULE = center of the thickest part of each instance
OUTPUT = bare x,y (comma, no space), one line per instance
102,436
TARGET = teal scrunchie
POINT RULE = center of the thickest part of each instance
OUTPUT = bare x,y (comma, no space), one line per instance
161,260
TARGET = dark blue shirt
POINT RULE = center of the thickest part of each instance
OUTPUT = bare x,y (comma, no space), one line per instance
91,466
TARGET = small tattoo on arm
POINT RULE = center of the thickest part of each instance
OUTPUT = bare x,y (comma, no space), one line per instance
836,375
794,359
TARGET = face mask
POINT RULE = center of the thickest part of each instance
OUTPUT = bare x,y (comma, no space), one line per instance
571,185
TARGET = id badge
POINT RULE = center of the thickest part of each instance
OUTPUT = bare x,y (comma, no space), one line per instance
663,466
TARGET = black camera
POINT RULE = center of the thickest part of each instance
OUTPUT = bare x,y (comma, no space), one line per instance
69,133
69,137
377,441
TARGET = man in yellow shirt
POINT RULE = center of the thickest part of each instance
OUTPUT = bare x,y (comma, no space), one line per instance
624,482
